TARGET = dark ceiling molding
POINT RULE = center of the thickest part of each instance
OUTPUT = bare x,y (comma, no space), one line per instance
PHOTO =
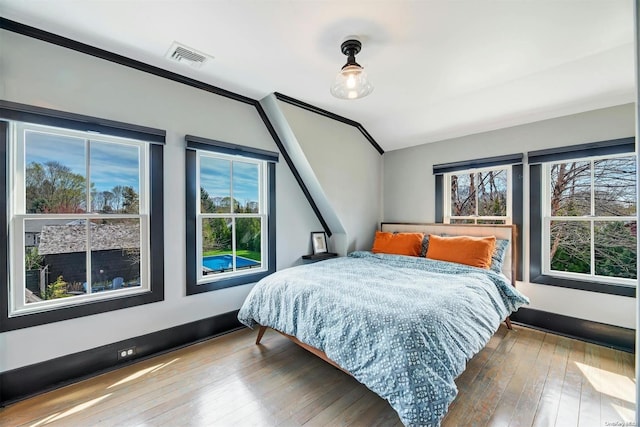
329,114
55,39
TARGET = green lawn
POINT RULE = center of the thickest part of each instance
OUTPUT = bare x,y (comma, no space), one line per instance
243,253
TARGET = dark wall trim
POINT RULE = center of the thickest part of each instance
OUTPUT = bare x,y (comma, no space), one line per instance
30,380
439,198
4,222
156,259
199,143
192,199
46,116
486,162
292,167
585,330
325,113
600,148
48,37
535,247
128,62
517,180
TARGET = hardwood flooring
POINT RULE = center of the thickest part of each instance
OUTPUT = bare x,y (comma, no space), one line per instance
523,377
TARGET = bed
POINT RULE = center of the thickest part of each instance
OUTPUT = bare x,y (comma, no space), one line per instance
404,326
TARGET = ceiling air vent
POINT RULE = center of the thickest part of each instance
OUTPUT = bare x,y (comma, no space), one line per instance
185,55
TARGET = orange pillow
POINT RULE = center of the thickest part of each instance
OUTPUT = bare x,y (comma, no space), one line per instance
398,244
473,251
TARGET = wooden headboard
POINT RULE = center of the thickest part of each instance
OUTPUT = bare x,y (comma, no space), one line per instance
505,232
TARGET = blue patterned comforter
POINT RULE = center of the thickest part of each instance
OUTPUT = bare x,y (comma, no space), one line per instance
403,326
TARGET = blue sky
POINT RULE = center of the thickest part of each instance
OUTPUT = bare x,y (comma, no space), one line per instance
112,164
215,178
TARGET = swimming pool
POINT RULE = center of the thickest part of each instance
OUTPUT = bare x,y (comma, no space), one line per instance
225,262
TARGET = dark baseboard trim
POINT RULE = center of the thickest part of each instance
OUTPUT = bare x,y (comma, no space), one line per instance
28,381
571,327
329,114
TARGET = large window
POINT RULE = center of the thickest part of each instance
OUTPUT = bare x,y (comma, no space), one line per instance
79,217
585,209
233,208
79,220
478,196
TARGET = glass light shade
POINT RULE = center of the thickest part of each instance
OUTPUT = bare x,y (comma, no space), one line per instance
351,83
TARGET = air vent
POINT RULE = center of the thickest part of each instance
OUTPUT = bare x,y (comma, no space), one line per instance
185,55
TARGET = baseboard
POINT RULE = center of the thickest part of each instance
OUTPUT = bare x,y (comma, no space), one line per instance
28,381
585,330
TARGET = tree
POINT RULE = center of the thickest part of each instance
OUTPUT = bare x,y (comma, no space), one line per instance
130,202
53,188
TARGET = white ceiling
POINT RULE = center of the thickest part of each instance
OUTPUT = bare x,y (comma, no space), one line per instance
441,68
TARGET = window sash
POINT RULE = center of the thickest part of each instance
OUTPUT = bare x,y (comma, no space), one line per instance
447,196
262,214
18,217
591,219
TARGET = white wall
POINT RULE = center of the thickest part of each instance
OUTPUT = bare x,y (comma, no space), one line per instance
347,169
409,195
36,73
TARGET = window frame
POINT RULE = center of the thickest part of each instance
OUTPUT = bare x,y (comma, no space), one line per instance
20,216
155,139
537,195
196,282
508,218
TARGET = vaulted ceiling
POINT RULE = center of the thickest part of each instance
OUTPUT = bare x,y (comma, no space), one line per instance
440,68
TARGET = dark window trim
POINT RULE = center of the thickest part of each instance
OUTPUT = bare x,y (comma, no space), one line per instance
517,213
535,247
156,253
486,162
198,143
62,119
193,287
592,149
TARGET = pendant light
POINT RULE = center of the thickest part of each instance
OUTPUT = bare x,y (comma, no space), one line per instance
351,82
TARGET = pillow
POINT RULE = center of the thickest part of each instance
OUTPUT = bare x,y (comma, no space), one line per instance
397,243
473,251
497,259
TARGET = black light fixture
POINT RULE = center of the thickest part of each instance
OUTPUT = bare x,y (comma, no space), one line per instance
351,82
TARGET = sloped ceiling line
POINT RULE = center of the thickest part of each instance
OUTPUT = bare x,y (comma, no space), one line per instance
329,114
77,46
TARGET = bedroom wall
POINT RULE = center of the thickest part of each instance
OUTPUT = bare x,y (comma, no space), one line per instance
350,191
409,193
37,73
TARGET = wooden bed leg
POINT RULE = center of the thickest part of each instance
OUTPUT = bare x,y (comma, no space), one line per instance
261,332
508,322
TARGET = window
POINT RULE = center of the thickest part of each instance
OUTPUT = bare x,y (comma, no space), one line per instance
478,196
79,216
233,205
587,218
482,191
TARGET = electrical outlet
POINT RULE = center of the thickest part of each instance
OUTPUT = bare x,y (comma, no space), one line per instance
126,353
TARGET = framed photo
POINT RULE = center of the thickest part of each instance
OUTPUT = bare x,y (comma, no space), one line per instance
319,242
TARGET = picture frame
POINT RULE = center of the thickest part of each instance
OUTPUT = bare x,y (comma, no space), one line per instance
319,242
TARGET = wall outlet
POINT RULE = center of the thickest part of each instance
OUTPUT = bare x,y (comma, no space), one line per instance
126,353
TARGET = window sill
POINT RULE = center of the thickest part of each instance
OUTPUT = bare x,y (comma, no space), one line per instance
583,285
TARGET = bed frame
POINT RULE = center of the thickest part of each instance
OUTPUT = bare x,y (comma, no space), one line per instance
506,232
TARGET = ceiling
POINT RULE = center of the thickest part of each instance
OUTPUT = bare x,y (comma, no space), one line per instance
441,68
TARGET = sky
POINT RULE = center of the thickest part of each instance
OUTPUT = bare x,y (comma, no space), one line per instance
215,178
111,163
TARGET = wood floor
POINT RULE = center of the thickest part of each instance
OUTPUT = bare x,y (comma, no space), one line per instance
522,378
